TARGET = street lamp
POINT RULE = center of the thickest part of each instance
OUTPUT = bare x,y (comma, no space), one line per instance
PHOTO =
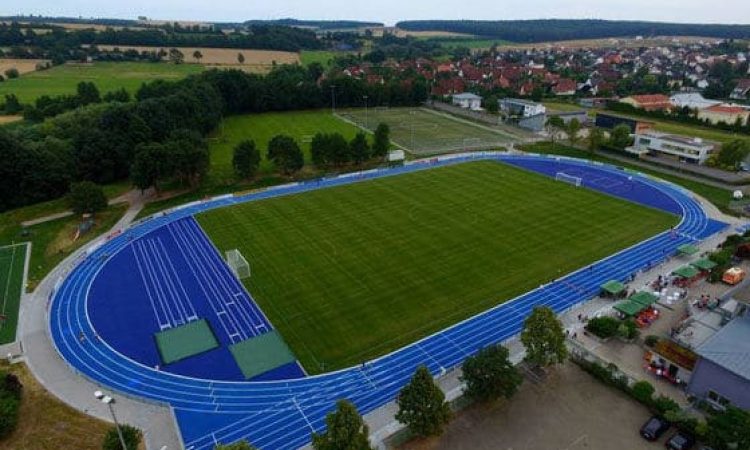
109,401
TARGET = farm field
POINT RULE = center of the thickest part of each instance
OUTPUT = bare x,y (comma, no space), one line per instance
12,259
255,60
22,65
424,132
301,125
323,57
350,273
473,44
108,76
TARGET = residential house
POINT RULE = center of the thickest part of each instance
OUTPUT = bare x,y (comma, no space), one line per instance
742,90
519,107
565,86
724,113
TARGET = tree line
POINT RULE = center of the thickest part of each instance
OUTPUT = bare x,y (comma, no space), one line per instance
100,141
566,29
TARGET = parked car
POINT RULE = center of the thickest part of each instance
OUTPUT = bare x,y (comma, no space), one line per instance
654,428
680,441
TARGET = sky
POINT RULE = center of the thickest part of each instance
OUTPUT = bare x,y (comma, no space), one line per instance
390,11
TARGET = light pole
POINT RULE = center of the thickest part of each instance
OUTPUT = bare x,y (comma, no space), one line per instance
367,122
109,401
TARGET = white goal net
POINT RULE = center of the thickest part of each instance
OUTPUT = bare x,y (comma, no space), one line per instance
238,264
564,177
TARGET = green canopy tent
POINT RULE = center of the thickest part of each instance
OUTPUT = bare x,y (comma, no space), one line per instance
644,298
704,264
629,308
686,272
687,250
612,288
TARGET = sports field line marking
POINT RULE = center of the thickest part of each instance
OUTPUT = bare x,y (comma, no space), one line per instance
468,122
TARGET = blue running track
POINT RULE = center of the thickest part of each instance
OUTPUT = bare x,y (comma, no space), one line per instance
209,402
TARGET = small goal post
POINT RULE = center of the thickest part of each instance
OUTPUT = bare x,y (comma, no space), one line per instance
570,179
238,264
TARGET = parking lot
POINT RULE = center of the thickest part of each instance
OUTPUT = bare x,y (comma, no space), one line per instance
569,411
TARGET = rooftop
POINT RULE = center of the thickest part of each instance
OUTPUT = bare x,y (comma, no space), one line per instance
467,96
519,101
730,347
683,140
726,109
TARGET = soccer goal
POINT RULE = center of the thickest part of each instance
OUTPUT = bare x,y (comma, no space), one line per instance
238,264
564,177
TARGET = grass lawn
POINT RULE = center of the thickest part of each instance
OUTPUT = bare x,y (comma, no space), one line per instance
353,272
424,132
562,106
718,196
12,260
323,57
46,423
262,128
108,76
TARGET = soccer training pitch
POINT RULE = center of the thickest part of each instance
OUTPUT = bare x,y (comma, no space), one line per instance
353,272
425,132
12,260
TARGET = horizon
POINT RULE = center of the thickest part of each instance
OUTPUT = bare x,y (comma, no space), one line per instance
388,12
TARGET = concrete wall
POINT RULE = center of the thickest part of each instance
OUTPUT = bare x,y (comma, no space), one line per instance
709,376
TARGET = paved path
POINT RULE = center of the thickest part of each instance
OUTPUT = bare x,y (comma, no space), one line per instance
53,373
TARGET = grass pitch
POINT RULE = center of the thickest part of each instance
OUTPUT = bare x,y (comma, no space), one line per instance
108,76
353,272
12,259
425,132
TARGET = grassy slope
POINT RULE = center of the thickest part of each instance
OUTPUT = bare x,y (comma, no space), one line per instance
323,57
11,285
46,423
263,127
107,76
350,273
719,197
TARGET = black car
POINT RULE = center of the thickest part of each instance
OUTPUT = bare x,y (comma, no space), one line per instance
654,428
680,441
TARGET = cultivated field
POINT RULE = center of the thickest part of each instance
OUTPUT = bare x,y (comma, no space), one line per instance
301,125
353,272
108,76
12,260
22,65
261,60
425,132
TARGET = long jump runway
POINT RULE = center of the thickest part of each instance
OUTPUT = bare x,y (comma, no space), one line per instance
281,411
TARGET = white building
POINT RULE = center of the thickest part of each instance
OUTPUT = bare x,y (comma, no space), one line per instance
522,108
683,148
468,100
692,100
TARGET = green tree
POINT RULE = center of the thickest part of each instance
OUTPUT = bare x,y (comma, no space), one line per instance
572,129
359,148
422,406
543,338
10,402
595,139
285,154
729,429
176,56
620,137
382,142
643,391
490,104
245,159
188,155
119,95
87,93
345,430
489,374
131,435
87,197
240,58
554,125
12,73
150,166
12,105
239,445
198,56
733,153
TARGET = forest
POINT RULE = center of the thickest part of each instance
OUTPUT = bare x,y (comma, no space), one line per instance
530,31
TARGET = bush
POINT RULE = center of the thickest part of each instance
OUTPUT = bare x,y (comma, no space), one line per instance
603,327
131,435
12,73
628,330
87,197
651,340
662,405
643,391
10,402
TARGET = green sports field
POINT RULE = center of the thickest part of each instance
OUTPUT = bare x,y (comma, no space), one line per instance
108,76
353,272
426,132
12,260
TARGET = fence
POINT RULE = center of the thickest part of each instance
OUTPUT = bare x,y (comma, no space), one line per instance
463,112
